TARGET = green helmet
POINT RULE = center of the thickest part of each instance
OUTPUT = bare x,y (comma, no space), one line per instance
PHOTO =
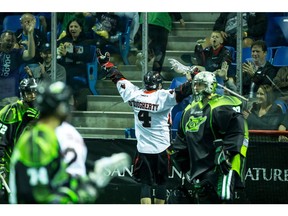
53,99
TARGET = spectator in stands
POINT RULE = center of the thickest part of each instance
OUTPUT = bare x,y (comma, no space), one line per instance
283,127
45,22
44,70
87,18
159,27
216,58
22,37
134,16
258,71
74,53
10,61
254,27
264,114
107,29
280,85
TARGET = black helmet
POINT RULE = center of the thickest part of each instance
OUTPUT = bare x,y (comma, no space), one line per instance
53,98
152,80
28,85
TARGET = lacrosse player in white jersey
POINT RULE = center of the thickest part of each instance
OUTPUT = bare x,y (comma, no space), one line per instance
152,106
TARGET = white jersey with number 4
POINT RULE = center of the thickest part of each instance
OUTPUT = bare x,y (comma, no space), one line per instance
151,115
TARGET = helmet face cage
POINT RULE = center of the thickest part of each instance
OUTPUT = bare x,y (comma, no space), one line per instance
210,84
28,86
152,80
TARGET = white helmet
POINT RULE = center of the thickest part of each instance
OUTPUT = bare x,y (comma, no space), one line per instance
209,80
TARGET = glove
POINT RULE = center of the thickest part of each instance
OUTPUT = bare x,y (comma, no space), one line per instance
104,60
111,71
170,150
118,161
192,72
30,115
222,158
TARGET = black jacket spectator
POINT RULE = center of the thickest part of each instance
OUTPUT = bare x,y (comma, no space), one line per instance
254,26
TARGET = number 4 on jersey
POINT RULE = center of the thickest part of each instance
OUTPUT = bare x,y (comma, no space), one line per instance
144,117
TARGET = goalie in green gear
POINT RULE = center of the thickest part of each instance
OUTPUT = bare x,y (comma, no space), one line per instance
212,140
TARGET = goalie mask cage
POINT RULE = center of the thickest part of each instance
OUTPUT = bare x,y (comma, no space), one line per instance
266,175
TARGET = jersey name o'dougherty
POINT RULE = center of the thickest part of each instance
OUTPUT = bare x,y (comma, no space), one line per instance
151,115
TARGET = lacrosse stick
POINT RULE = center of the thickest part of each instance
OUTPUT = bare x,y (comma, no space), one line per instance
187,70
5,184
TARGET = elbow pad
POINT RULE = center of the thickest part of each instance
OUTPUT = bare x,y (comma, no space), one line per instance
114,74
183,91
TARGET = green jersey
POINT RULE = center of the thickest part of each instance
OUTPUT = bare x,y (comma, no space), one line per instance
14,119
38,171
201,124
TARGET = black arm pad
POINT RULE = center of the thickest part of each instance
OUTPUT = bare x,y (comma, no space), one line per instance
114,74
183,91
180,156
198,53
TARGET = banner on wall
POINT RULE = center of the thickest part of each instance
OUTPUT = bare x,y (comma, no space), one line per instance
266,175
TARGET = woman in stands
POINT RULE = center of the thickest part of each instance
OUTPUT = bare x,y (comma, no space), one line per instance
73,53
264,114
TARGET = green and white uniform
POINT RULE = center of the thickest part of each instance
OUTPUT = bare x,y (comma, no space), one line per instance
38,172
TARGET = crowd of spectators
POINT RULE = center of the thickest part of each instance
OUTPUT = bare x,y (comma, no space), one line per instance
26,52
77,31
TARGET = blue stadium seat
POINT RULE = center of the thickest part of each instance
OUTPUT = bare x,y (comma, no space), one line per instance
281,57
274,35
282,22
124,42
282,104
246,53
92,72
232,52
58,32
246,56
269,54
130,133
12,23
123,46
